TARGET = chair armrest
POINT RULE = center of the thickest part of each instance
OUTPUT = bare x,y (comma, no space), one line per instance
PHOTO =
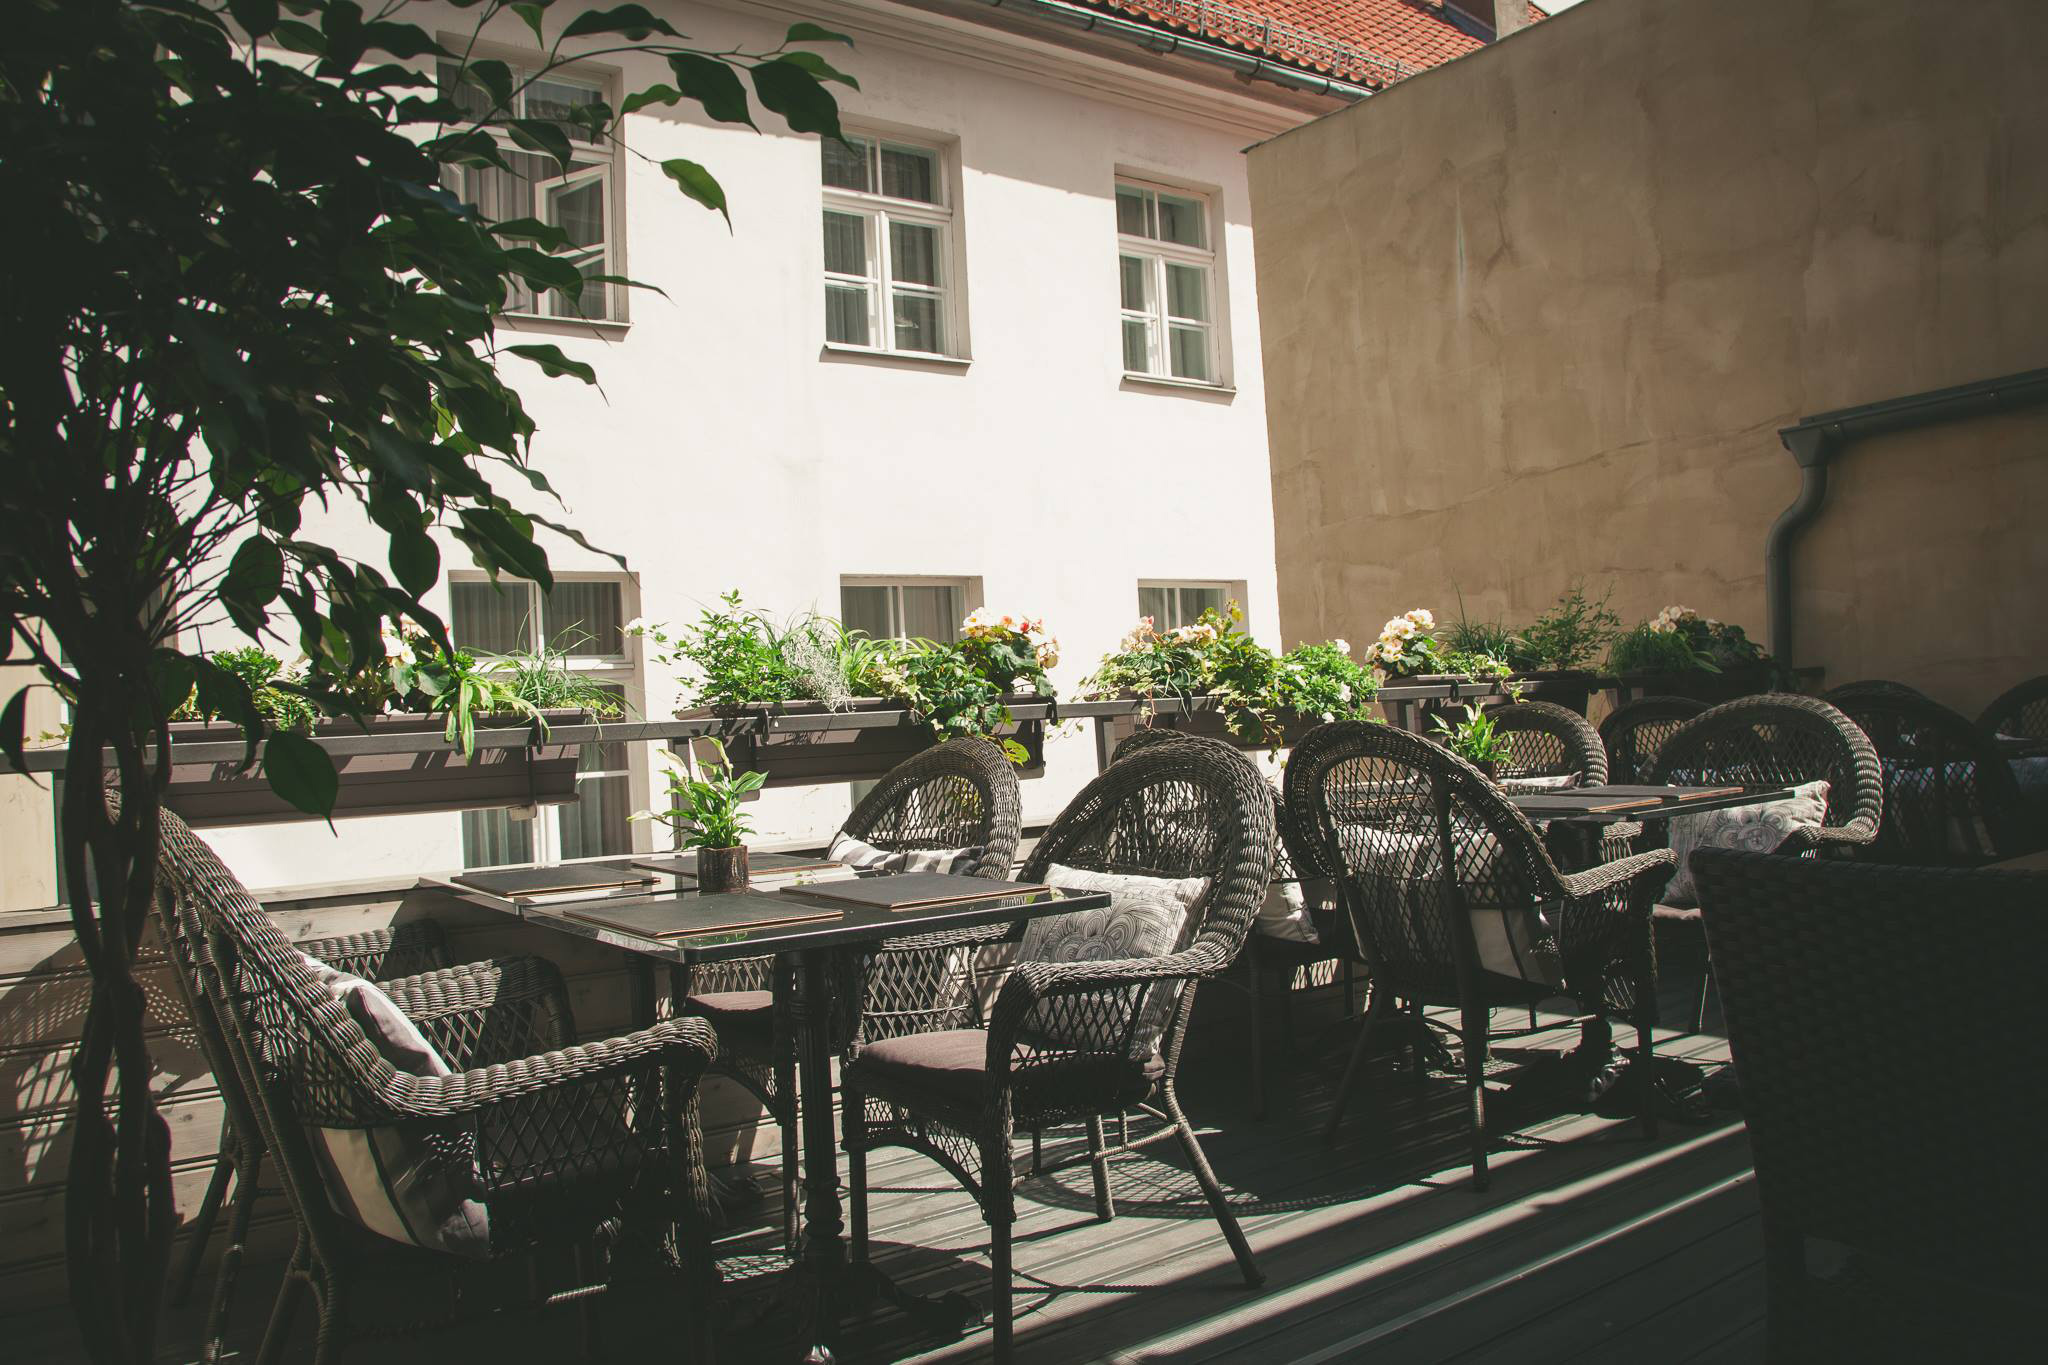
419,944
484,1012
1033,983
1597,881
1857,833
686,1046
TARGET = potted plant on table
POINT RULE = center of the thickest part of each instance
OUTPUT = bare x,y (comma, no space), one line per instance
1474,739
708,816
1680,653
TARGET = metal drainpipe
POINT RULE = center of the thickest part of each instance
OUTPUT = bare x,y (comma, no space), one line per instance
1257,68
1815,440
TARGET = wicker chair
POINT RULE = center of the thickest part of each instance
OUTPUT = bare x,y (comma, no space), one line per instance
591,1149
959,794
1547,742
1774,739
1633,733
1265,954
1422,837
1067,1040
1909,1135
399,950
2021,712
1871,687
1950,799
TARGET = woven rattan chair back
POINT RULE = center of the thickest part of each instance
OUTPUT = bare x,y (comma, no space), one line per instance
1419,836
1546,742
1912,1134
960,794
1779,739
1633,733
1950,800
1869,687
2021,712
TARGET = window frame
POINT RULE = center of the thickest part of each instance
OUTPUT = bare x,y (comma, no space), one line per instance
967,595
877,211
1158,255
622,670
606,162
1227,589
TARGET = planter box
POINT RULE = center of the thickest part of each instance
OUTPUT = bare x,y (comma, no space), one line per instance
848,753
1571,688
1700,685
1206,719
1420,715
206,794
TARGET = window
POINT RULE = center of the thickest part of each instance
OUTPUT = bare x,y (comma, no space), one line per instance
578,202
1180,604
1167,271
904,609
585,619
888,247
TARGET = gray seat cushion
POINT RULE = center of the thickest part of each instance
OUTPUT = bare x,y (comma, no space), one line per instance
745,1018
950,1067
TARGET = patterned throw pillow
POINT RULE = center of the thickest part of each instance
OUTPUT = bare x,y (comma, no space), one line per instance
1397,869
1284,913
412,1183
861,854
1555,783
1146,917
1760,829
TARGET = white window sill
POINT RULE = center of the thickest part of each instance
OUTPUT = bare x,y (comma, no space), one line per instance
1161,381
541,322
836,350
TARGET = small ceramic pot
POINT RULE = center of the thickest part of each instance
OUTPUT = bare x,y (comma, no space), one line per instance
722,869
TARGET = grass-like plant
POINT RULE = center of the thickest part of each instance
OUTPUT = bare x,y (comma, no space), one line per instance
1570,634
1475,738
436,680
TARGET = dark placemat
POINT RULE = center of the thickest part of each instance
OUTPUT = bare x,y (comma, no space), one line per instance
514,882
684,916
685,864
1662,793
907,891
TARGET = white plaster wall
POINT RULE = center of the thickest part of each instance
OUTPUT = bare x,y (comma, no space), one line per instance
726,450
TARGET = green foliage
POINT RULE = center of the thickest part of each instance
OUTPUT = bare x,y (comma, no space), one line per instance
1324,681
942,687
434,679
271,690
1474,739
732,655
1001,649
1571,634
1679,640
543,680
706,812
240,289
1488,639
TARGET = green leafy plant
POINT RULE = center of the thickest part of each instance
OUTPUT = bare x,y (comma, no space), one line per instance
271,690
733,655
705,812
1645,649
943,688
434,680
1324,681
1488,639
250,292
1475,738
543,680
1573,633
1003,650
1149,664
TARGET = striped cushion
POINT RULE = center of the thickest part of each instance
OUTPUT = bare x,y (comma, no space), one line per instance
865,856
413,1183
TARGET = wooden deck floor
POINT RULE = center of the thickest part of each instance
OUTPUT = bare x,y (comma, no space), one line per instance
1593,1244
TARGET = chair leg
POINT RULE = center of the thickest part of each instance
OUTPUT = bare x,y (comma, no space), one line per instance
1098,1160
786,1122
999,1286
1374,1009
1475,1022
1038,1151
248,1173
286,1309
1211,1190
1699,1012
1255,992
327,1296
202,1221
853,1123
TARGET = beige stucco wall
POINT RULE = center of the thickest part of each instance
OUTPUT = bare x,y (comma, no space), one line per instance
1539,314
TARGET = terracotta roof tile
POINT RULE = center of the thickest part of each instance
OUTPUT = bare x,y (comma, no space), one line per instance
1371,42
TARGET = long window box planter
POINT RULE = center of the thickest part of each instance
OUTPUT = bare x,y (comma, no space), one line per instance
1698,684
215,793
1448,695
1203,715
1571,688
786,741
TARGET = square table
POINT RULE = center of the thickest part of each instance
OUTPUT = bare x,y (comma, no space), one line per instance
808,946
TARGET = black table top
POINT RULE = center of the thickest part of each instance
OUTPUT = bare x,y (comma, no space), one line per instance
849,927
1612,804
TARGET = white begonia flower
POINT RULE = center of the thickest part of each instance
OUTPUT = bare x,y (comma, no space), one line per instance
1402,629
1342,646
1421,617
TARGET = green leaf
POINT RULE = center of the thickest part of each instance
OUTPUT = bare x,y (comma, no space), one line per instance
494,77
301,772
13,728
793,92
254,578
819,67
551,360
415,559
699,184
531,13
541,135
257,17
653,94
632,20
713,84
811,33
